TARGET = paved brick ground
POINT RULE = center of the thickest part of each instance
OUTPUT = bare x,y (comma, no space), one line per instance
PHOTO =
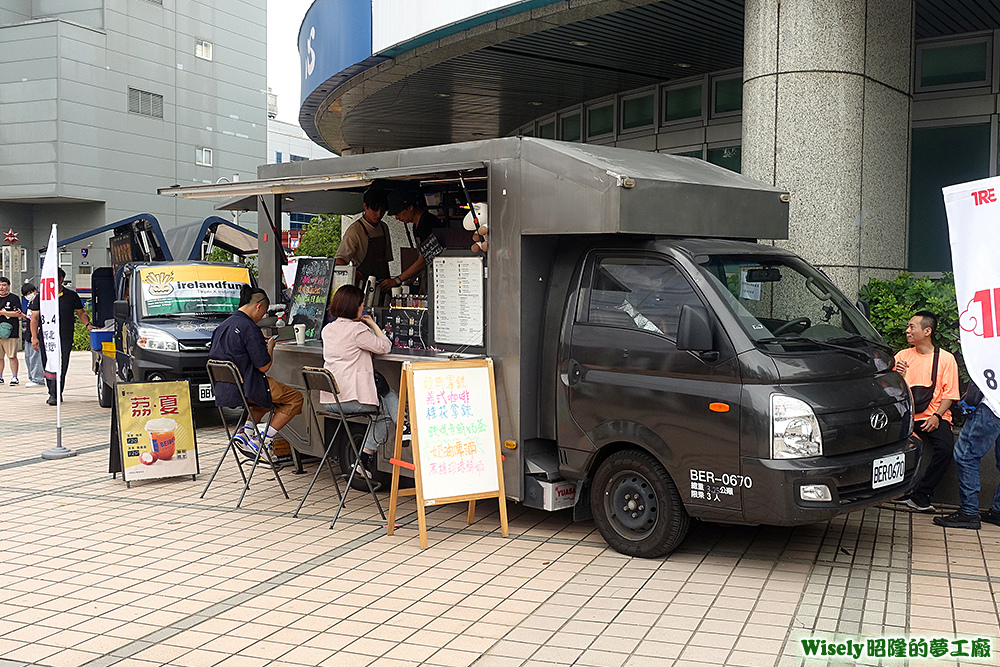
93,573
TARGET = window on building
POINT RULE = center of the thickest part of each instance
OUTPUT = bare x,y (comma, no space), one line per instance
203,49
155,2
729,157
959,63
569,127
638,111
682,103
203,156
600,120
528,132
547,130
277,156
145,103
940,156
695,153
727,95
65,259
296,158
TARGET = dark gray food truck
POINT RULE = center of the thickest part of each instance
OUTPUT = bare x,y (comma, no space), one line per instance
654,363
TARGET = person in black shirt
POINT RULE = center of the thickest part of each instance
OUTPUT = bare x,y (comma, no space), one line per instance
407,206
70,305
10,326
239,340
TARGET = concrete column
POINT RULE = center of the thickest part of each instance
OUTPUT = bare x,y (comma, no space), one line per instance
826,115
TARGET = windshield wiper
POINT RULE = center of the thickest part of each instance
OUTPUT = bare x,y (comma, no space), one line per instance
858,354
858,337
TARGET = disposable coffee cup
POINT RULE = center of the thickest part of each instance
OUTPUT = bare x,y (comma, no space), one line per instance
300,334
162,437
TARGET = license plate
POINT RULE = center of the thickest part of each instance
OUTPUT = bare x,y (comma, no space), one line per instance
205,392
888,471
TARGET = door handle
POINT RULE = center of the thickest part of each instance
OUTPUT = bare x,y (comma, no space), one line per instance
574,372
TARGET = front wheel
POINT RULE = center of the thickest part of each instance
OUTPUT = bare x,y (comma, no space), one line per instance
636,505
105,395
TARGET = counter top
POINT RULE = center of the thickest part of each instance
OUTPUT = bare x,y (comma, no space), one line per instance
315,347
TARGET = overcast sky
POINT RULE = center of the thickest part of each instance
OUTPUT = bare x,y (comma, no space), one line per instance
283,75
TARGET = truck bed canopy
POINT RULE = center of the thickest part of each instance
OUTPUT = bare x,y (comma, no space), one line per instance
138,226
565,188
185,240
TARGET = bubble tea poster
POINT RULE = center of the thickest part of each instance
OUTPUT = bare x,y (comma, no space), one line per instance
157,430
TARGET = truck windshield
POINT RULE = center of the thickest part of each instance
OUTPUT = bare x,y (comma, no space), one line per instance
190,290
785,304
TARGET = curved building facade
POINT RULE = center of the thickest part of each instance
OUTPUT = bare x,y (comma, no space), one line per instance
862,109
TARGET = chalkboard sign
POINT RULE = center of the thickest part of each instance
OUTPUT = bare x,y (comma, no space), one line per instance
311,293
455,437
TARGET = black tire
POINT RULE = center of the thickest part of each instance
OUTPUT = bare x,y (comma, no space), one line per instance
636,506
347,460
105,394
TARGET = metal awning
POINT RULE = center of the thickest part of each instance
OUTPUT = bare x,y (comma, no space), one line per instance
185,240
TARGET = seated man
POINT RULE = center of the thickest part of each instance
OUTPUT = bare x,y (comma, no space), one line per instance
240,341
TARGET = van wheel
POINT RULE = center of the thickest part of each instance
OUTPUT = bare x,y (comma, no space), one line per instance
636,506
105,395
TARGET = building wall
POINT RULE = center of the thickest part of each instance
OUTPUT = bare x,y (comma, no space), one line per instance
67,135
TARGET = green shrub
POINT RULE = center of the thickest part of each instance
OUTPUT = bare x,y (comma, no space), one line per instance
81,335
893,303
321,238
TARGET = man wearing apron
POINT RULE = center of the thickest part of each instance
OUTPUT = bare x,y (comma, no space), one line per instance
366,242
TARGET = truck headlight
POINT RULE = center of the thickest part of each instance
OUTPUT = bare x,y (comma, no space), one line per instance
794,429
154,339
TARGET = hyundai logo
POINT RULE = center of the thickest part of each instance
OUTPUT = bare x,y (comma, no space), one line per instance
879,420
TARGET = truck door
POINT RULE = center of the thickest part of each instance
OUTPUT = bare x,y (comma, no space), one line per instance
628,381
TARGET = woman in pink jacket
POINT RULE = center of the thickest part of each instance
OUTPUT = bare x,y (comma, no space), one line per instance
349,342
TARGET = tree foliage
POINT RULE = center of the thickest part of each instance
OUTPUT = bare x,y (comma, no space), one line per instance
322,237
220,255
893,303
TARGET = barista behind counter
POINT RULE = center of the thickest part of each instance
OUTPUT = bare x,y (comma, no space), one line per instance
407,206
366,242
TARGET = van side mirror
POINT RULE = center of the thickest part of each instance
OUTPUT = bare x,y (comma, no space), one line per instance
865,308
121,310
694,331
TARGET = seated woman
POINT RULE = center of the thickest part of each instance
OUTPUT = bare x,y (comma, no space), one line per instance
348,344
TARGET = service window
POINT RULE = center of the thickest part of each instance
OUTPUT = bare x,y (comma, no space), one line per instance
639,293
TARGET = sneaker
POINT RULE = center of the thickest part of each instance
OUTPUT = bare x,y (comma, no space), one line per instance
407,438
919,502
13,381
32,383
366,466
246,444
51,400
993,516
1,379
959,520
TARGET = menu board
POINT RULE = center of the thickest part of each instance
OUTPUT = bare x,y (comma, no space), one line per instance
459,300
311,293
156,430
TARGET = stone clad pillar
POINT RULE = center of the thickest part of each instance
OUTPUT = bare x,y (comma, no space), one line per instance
826,115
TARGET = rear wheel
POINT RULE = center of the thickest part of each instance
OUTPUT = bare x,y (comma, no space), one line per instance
636,505
105,395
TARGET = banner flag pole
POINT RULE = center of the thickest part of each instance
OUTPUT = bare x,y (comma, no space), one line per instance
48,296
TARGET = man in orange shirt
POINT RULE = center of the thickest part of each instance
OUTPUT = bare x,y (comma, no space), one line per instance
934,390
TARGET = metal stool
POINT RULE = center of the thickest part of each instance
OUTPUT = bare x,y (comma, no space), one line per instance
320,379
226,371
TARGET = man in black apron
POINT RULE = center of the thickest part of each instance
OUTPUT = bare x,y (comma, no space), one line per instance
366,242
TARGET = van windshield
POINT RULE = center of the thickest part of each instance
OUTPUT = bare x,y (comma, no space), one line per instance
784,304
172,291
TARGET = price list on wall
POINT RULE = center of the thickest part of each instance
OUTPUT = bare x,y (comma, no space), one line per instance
459,300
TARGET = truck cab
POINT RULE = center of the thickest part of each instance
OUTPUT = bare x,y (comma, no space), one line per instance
164,317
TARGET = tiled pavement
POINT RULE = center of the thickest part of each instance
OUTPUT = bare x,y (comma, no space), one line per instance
93,573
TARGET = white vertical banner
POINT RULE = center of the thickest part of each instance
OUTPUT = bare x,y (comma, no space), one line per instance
974,228
48,296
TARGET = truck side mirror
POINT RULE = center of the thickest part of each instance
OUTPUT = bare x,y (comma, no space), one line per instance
121,310
865,308
695,329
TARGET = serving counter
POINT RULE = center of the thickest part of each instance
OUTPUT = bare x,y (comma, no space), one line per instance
290,358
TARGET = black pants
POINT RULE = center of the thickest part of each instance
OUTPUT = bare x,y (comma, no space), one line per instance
942,440
51,384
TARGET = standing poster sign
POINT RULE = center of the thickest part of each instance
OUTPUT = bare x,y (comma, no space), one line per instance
974,227
156,430
455,438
